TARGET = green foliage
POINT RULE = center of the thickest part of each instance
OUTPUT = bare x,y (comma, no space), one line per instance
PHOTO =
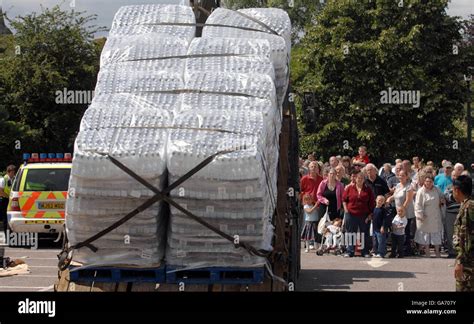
6,46
358,49
57,51
11,131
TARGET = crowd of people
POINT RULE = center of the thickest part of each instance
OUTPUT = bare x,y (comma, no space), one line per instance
396,210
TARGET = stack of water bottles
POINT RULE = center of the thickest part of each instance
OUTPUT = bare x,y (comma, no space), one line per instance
271,24
237,191
165,101
238,108
128,119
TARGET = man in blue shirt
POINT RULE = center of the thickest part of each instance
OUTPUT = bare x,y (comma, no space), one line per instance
442,181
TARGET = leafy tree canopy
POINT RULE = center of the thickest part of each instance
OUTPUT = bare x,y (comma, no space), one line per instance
357,50
52,51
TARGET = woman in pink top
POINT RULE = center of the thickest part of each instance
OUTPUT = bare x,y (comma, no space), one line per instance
329,195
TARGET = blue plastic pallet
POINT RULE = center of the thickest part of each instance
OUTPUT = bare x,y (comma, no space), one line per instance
112,274
215,275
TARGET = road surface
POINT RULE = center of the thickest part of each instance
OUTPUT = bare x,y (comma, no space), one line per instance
335,273
318,273
43,266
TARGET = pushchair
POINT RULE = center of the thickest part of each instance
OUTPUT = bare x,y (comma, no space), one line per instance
331,237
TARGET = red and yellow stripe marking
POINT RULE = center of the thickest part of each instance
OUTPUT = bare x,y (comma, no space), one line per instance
29,208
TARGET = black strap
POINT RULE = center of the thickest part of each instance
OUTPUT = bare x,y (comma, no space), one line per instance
158,196
167,199
191,56
177,127
258,22
270,31
66,257
178,91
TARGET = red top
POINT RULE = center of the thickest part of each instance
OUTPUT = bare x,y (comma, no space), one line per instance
359,205
309,185
364,159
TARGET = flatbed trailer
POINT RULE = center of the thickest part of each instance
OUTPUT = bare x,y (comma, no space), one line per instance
285,263
285,259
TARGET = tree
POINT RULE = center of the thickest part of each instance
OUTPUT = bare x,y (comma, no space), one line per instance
467,46
13,134
358,50
54,50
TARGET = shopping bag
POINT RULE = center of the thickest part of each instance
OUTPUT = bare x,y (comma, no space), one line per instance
323,223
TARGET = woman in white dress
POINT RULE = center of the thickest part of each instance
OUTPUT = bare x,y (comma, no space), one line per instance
403,198
428,202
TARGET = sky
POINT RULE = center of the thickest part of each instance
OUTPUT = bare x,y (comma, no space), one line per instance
105,9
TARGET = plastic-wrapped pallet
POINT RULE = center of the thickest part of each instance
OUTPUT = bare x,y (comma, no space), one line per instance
146,38
97,187
236,111
145,232
161,115
101,193
266,23
252,85
277,19
238,123
120,110
228,45
246,120
115,79
259,23
243,104
192,245
161,20
259,88
144,52
230,55
108,126
136,95
237,55
227,83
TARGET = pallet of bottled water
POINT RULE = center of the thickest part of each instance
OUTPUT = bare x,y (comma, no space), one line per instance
136,95
165,101
257,23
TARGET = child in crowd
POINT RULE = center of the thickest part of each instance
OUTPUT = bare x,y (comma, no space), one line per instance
398,233
310,228
380,223
333,233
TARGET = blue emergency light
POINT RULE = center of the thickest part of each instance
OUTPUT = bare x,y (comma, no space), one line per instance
47,157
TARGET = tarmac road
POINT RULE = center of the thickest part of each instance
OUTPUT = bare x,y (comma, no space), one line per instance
42,263
335,273
318,273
